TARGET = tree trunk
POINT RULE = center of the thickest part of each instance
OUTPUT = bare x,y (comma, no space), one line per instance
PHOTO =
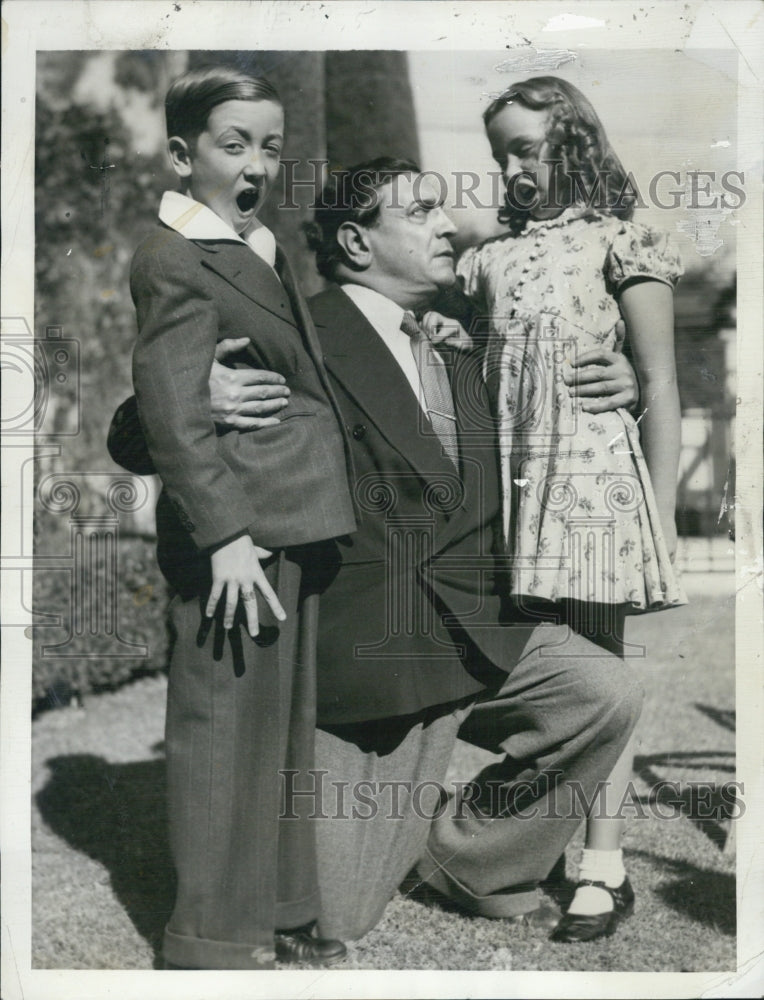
369,107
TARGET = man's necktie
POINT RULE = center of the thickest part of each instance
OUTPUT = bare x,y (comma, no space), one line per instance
436,389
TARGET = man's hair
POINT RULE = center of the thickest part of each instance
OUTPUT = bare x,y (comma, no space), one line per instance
349,196
192,97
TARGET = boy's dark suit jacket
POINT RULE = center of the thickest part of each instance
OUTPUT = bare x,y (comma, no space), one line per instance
286,484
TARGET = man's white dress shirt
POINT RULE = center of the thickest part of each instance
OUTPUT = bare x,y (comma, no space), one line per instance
385,316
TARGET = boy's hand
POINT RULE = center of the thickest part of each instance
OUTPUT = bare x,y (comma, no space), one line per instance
244,398
236,567
442,330
604,379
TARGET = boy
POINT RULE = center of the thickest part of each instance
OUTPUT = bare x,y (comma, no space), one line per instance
239,514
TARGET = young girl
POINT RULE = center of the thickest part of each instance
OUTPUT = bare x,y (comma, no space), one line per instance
588,513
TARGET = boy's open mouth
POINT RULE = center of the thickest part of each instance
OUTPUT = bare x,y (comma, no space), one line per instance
248,199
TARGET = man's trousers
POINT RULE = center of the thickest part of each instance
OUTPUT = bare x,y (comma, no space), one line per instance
559,722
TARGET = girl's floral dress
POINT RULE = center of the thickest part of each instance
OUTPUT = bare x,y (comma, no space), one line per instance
580,517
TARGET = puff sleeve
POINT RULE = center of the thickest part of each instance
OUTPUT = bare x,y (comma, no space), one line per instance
638,251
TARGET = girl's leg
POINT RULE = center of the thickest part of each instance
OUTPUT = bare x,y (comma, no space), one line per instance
602,859
604,829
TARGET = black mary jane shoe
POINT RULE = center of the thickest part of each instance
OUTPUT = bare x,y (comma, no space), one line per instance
589,926
300,946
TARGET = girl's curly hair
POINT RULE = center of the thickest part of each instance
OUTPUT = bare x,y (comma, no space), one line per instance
587,168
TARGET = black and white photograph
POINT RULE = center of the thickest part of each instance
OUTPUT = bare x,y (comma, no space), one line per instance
382,499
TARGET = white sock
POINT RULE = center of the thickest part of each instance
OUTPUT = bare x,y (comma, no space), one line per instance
599,866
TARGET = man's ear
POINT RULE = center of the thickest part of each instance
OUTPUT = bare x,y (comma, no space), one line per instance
180,155
352,238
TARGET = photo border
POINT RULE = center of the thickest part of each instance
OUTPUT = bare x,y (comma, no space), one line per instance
32,25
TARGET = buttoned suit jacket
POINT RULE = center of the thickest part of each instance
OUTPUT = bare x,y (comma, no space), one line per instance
415,616
412,608
286,484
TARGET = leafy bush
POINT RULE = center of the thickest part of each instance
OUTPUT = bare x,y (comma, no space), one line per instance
88,221
90,664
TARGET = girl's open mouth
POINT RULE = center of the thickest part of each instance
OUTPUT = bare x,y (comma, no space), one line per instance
522,191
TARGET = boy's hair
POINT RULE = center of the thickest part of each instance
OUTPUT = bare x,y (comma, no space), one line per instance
192,97
349,196
577,139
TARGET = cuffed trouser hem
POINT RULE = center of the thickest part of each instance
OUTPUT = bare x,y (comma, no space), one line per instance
513,903
297,912
201,953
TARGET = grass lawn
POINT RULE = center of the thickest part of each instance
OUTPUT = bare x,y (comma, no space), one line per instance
103,884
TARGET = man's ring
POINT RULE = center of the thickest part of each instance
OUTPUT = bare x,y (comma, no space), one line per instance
248,596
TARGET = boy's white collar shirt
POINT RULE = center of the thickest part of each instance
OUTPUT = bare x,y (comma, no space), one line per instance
197,222
385,316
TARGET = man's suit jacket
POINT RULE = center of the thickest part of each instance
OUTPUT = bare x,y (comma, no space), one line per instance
412,613
412,618
286,484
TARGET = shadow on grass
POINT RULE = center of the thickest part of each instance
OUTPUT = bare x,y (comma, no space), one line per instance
724,717
709,806
707,897
116,814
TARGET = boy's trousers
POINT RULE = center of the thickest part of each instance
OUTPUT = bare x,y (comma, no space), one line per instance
240,711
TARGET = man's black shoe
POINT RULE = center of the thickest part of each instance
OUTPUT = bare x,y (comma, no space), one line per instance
301,946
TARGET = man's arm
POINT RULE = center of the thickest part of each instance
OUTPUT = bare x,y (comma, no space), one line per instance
603,380
240,399
126,442
248,399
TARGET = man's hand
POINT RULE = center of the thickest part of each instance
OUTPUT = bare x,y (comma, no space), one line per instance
244,398
442,330
604,380
236,567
